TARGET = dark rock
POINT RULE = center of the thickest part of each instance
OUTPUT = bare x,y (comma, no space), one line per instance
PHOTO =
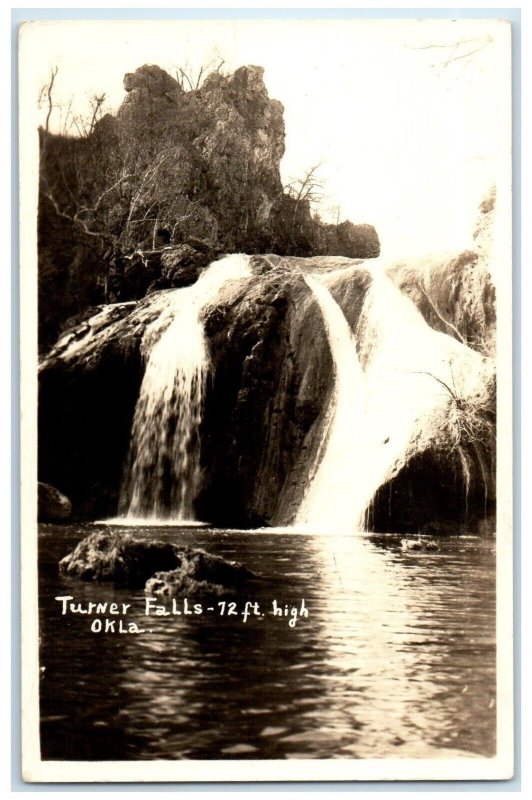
182,265
52,504
199,574
270,381
448,503
130,561
86,406
108,556
353,241
442,528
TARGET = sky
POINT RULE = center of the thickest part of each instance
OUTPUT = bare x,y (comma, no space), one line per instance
408,120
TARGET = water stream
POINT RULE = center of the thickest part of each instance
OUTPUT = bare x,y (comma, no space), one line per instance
392,396
163,466
328,503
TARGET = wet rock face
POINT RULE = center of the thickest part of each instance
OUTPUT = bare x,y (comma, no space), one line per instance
455,294
265,410
52,504
256,413
269,389
162,567
433,496
182,265
85,412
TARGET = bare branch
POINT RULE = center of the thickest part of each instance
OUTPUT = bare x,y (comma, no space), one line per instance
48,89
107,191
198,80
97,102
75,220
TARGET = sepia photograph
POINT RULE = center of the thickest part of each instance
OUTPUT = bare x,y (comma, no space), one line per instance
266,381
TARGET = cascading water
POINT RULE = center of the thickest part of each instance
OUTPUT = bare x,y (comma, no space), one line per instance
401,394
163,467
329,492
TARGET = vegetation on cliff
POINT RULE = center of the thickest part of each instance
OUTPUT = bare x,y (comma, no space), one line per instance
144,199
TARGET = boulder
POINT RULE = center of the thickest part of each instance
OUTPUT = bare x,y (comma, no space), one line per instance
131,561
199,574
151,80
353,241
52,504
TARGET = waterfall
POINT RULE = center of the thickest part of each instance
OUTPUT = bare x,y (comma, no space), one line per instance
329,493
163,466
389,399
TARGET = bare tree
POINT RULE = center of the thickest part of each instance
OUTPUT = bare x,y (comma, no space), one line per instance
190,79
85,125
46,95
305,190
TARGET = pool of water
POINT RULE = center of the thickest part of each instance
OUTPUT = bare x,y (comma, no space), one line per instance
396,657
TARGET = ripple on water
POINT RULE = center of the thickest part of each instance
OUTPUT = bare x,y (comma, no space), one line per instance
397,658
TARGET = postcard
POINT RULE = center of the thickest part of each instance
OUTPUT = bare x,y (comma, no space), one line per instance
266,382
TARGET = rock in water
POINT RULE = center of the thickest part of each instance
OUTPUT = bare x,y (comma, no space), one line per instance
131,561
198,574
418,544
53,505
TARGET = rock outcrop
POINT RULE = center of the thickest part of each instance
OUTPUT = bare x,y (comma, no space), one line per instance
455,292
52,504
144,198
161,567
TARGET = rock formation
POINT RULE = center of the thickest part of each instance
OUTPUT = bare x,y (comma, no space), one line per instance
162,567
145,198
267,409
52,504
455,291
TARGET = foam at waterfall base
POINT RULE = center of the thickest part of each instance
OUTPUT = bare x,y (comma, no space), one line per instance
150,522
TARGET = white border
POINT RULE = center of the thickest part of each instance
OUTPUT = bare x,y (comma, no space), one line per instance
34,769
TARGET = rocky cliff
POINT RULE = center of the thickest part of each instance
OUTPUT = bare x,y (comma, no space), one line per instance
425,447
455,291
142,200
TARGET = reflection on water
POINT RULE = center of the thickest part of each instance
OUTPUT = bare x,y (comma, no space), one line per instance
396,658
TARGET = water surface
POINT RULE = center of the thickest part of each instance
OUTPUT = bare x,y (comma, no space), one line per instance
396,657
